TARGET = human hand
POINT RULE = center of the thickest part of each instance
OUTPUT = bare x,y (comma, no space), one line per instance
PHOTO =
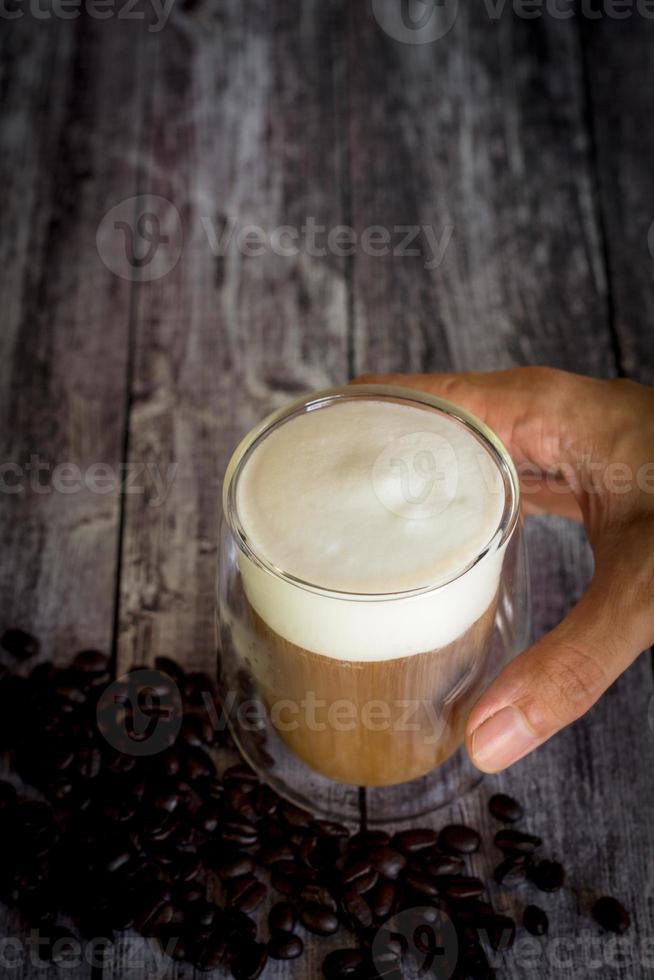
583,449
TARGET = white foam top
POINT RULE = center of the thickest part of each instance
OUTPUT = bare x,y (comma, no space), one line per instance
370,496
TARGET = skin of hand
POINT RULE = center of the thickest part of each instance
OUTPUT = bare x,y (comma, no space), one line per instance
584,448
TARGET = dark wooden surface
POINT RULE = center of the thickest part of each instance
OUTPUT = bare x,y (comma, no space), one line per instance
527,142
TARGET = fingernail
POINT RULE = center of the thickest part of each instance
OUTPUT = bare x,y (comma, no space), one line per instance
501,740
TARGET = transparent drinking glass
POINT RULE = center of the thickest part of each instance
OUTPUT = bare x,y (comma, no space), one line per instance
332,734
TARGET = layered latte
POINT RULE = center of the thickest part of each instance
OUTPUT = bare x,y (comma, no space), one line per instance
370,563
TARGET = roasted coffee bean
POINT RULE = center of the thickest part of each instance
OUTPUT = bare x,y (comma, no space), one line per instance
319,919
153,916
239,832
187,867
515,840
364,883
21,645
535,921
356,911
459,839
293,815
239,800
422,884
293,869
211,790
512,871
387,861
7,797
249,962
611,915
342,964
246,893
197,686
167,799
265,802
505,808
461,887
91,662
444,864
197,731
418,839
358,869
285,946
283,883
269,856
500,931
208,818
198,765
172,668
234,866
328,828
366,839
203,915
89,762
210,951
547,876
318,895
282,917
240,773
382,899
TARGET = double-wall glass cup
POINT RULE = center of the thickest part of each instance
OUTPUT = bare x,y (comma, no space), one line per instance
338,694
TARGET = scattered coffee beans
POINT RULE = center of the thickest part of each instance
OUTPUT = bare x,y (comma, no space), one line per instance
459,839
515,840
548,876
21,645
505,808
122,840
611,915
535,921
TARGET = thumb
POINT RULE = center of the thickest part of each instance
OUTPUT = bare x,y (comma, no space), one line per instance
559,678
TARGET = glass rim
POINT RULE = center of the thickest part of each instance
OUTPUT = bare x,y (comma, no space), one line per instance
321,399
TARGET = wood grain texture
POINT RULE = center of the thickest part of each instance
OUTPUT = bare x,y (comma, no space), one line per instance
70,122
224,338
489,134
482,131
68,143
278,114
620,71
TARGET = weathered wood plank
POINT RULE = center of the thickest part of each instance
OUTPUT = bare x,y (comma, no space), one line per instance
70,125
68,143
620,71
489,135
242,129
481,132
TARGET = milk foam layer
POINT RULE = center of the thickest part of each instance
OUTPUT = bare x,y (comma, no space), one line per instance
371,497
